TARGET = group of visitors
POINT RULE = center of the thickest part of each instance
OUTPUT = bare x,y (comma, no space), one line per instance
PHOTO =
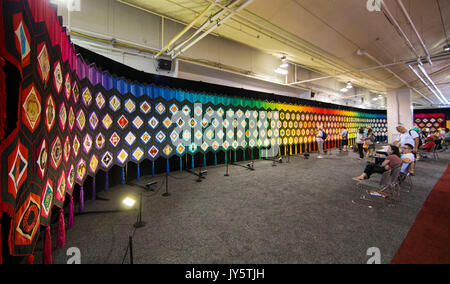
440,137
365,143
405,150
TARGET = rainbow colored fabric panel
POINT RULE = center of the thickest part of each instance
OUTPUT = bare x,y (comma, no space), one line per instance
430,121
74,121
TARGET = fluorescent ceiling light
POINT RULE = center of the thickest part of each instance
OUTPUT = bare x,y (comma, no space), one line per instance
426,84
344,90
284,65
432,83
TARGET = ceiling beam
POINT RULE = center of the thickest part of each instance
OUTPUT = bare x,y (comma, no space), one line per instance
186,29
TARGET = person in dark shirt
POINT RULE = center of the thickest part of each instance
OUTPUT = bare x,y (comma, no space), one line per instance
344,136
393,159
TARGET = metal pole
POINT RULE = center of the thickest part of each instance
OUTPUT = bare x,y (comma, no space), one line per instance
130,244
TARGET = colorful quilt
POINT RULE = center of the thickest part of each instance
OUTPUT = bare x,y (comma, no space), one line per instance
431,121
75,121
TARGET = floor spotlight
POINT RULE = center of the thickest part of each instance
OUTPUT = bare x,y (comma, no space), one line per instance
130,203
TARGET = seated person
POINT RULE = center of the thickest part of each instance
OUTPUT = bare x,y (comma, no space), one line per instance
437,139
407,157
428,146
447,137
447,134
392,160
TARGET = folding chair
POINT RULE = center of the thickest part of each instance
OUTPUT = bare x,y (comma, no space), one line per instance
435,153
383,190
363,187
405,179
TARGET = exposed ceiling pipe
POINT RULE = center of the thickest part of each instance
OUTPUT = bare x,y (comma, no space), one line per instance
435,58
206,24
391,18
405,12
295,44
425,83
187,28
424,72
398,77
245,74
349,72
211,29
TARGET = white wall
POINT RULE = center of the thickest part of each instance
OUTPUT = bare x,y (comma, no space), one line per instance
109,19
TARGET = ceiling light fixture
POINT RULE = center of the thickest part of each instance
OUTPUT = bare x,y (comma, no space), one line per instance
425,83
281,71
444,99
447,48
283,67
349,85
344,90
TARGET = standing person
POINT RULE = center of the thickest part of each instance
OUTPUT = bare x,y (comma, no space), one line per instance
360,142
408,137
370,141
320,141
405,137
344,136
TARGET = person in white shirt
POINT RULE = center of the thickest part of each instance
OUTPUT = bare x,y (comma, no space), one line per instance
320,141
408,137
407,156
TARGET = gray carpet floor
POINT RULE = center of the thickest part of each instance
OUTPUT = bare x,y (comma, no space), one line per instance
297,212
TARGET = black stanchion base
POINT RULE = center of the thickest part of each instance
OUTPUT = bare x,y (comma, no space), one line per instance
140,224
166,194
201,174
250,166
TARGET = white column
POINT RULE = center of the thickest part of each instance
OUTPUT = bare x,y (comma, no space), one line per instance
399,111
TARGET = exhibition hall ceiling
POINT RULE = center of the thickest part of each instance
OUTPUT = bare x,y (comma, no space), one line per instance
333,37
